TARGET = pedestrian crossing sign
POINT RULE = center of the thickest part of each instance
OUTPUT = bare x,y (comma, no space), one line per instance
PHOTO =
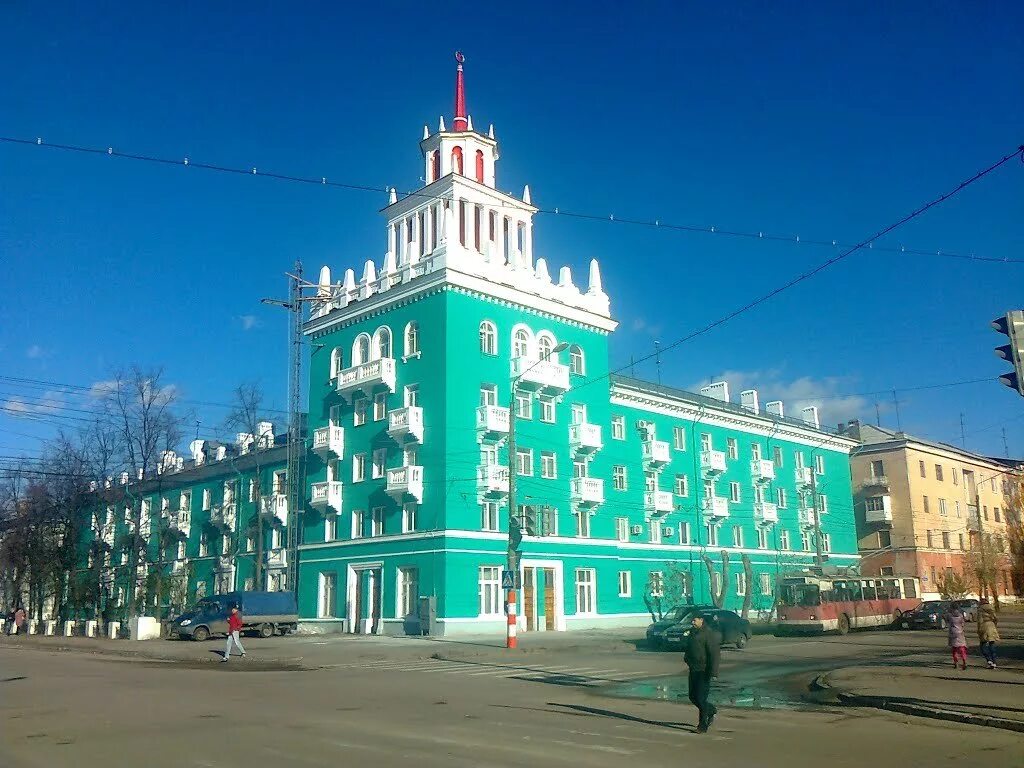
508,580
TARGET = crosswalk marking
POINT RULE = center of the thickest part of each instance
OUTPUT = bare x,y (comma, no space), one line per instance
585,675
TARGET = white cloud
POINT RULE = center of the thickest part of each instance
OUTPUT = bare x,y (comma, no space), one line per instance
49,402
640,325
35,352
101,389
825,393
249,322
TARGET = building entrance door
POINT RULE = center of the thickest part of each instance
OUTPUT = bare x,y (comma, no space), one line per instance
530,598
539,612
364,599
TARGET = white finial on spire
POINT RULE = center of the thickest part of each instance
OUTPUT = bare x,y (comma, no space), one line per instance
565,278
440,125
392,196
426,132
526,195
469,122
350,280
323,287
595,278
542,271
490,131
369,272
390,267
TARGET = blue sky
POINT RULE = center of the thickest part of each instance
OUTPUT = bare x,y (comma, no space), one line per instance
815,120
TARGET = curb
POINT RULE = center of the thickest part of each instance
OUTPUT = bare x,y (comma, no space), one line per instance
956,716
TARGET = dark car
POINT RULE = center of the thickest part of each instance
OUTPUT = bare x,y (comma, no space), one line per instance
969,606
930,614
656,631
734,628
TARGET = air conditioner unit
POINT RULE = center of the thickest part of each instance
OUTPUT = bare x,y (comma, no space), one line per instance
636,530
667,530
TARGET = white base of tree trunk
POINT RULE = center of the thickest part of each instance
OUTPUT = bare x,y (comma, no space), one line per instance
144,628
113,629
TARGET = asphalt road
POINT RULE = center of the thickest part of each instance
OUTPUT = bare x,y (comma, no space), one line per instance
321,702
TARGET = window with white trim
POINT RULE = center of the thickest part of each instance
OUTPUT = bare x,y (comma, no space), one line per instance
682,485
489,590
777,457
705,441
579,469
765,580
576,361
207,500
819,464
784,541
381,343
716,582
337,362
586,591
204,544
805,541
583,524
408,592
741,584
618,427
733,447
488,394
380,457
578,413
548,465
524,462
622,528
380,406
826,542
547,409
358,467
780,496
684,532
619,477
488,338
377,521
521,343
412,339
411,395
330,527
361,349
737,537
489,516
755,451
625,583
654,532
711,534
822,504
409,517
734,493
524,405
360,408
679,438
762,538
327,597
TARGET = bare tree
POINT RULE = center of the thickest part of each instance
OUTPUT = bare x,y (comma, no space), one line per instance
717,597
748,578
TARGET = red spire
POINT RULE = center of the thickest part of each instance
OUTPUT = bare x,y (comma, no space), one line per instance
459,123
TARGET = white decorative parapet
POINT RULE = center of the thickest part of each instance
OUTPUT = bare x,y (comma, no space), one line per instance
277,558
542,375
275,508
762,470
802,475
765,513
144,628
367,376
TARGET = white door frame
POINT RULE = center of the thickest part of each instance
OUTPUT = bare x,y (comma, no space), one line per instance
556,566
355,624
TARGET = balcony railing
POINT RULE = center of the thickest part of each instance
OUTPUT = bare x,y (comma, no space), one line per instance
107,533
656,452
762,470
326,496
491,423
405,481
367,376
875,481
883,515
802,475
277,558
275,508
715,506
542,375
225,563
224,516
712,462
180,521
406,421
587,490
766,513
492,479
658,502
329,442
585,438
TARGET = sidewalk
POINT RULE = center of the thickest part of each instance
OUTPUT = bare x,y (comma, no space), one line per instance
977,695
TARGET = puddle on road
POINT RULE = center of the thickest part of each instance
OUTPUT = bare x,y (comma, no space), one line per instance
677,689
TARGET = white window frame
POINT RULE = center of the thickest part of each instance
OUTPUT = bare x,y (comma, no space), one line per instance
548,465
780,498
784,543
762,538
625,583
488,394
586,591
711,534
737,537
765,583
327,595
583,524
360,410
411,395
732,447
379,463
330,528
679,438
819,464
741,584
654,532
377,521
684,533
488,338
409,514
618,427
577,360
734,493
411,339
407,585
547,409
358,467
489,602
380,406
524,462
489,516
682,487
622,528
523,404
619,480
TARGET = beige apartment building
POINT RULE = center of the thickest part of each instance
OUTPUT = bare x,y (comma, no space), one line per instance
922,509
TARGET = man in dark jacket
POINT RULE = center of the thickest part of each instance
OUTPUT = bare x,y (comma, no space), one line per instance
702,651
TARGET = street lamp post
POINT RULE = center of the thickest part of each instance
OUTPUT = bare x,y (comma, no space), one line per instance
514,528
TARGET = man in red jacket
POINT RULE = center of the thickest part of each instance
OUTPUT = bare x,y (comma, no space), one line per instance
234,628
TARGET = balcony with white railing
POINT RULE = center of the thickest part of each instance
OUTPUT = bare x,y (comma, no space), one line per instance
806,517
875,481
106,533
587,491
802,475
656,453
492,480
407,421
491,423
585,438
180,522
275,508
179,567
762,470
367,377
540,375
712,462
225,563
658,502
715,506
405,481
277,558
329,442
882,511
766,513
326,496
223,516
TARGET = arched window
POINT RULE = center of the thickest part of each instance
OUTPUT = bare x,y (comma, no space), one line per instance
480,166
361,349
545,347
521,343
457,160
337,362
381,343
435,165
412,338
488,338
576,364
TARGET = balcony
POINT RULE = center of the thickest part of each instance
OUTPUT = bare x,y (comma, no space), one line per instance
326,497
655,453
587,491
277,558
491,423
806,518
762,470
658,503
329,442
106,534
883,515
179,567
766,513
802,475
275,508
405,481
585,438
712,462
973,519
367,377
540,375
715,506
492,480
406,421
180,522
223,516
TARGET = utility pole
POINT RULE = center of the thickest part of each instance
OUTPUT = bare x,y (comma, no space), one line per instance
982,575
818,559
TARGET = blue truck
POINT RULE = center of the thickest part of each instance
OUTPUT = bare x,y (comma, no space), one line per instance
263,613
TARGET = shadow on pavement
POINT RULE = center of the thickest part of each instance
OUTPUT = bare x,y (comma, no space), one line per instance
581,709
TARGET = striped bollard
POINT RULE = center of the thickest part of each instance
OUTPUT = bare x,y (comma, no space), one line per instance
510,638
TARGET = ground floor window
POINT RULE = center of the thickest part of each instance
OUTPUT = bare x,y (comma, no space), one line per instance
625,584
490,590
328,597
408,591
586,590
766,583
741,584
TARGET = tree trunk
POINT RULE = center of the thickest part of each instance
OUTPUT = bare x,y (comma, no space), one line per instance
748,576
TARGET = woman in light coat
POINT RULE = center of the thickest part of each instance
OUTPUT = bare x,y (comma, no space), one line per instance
957,641
988,632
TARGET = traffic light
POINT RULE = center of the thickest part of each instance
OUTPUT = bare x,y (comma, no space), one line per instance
530,521
515,533
1012,326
